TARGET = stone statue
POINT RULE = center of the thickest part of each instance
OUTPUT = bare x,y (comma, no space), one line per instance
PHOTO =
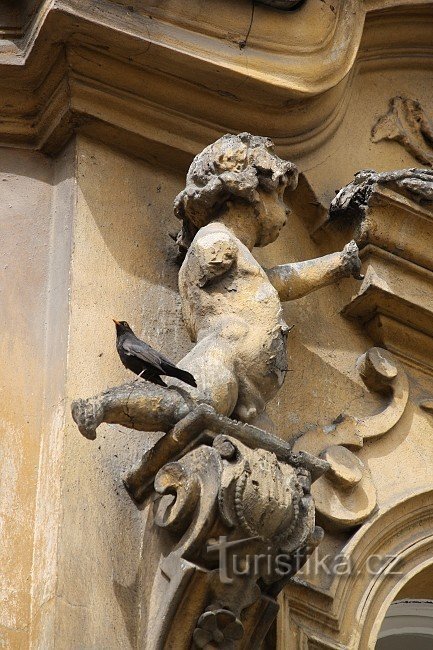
220,475
232,202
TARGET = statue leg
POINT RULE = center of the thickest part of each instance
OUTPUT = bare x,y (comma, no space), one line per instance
145,406
138,405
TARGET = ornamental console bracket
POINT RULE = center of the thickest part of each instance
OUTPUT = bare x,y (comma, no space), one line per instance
232,509
233,523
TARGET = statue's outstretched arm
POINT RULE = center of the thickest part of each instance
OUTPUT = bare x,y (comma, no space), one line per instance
300,278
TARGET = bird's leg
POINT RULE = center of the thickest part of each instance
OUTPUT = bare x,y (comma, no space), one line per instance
142,406
140,375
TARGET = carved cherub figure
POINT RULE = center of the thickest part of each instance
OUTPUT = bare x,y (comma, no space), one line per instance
232,202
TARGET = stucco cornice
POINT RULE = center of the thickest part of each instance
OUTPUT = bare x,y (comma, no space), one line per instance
151,76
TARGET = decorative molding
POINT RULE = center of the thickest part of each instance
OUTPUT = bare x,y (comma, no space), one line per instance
407,123
401,534
15,18
401,325
135,78
390,216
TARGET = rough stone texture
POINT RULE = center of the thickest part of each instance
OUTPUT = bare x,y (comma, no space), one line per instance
416,184
161,83
407,123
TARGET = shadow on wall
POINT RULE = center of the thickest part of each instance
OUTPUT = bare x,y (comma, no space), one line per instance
133,212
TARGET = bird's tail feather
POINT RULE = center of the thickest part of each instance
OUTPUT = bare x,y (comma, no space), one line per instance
183,375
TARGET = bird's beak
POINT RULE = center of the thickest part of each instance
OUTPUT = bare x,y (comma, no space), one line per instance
116,321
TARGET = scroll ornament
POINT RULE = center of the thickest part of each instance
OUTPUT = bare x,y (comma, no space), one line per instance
238,523
346,496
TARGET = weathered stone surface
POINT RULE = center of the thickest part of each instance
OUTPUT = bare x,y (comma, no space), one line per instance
407,123
414,183
240,527
231,306
130,80
233,201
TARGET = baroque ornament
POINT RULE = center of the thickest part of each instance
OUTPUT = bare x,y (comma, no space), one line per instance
407,123
223,488
346,496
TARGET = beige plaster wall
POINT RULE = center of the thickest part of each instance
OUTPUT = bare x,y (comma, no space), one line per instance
122,266
33,231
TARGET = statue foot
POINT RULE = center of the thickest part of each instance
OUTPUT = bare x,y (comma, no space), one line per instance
88,415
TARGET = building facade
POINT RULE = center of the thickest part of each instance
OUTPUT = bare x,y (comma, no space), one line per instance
103,106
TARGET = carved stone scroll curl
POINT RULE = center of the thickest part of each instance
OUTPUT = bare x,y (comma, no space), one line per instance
346,495
237,523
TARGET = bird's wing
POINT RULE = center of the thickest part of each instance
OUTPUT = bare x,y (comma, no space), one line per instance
147,354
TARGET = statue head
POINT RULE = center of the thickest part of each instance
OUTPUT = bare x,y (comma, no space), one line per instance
241,168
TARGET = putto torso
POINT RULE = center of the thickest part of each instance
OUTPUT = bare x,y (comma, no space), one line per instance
227,295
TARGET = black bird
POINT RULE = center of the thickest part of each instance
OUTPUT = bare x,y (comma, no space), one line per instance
146,362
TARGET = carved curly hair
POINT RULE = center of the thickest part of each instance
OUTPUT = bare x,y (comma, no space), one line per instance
232,167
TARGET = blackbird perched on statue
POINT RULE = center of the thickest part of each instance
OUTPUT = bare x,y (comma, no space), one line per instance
146,362
235,199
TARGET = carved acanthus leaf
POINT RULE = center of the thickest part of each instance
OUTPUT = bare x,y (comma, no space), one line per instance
407,123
